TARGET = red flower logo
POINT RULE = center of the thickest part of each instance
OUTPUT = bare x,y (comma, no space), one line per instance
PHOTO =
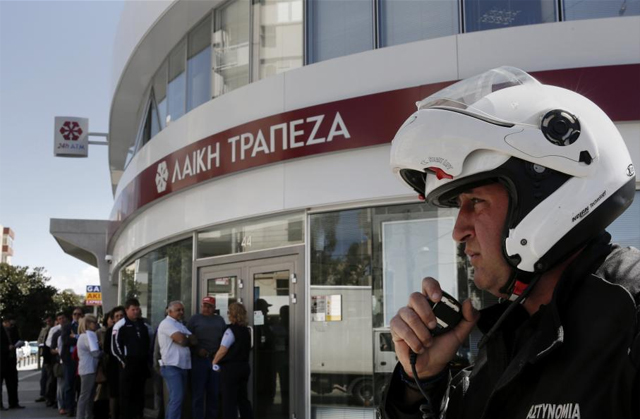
71,130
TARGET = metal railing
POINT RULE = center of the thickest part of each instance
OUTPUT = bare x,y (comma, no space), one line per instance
28,361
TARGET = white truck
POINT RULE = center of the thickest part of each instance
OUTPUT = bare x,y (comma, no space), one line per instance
347,354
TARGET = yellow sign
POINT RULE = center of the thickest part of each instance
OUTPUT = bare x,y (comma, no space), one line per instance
93,299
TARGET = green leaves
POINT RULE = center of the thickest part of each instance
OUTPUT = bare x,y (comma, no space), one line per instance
24,294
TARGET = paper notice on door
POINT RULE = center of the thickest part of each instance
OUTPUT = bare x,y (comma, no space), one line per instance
318,308
334,308
222,304
258,318
326,308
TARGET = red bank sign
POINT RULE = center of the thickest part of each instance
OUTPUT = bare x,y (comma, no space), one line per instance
337,126
250,147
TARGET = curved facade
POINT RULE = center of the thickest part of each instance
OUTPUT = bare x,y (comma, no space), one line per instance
249,153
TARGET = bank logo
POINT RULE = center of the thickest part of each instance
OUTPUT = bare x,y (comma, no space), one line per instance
71,130
162,175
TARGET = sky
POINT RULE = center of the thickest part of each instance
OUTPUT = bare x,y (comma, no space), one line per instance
55,60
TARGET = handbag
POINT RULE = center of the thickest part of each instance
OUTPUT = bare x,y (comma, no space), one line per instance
58,370
101,377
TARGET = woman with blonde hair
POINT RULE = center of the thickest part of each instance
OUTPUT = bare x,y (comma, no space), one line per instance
88,356
232,360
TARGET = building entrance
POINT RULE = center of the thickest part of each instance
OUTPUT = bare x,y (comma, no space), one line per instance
268,288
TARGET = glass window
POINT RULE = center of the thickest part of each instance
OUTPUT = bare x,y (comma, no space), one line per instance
159,277
130,154
593,9
155,119
403,21
199,65
277,39
231,47
177,87
266,233
151,126
364,265
160,81
339,27
480,15
341,248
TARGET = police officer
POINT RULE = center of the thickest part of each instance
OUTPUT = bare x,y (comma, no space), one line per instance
538,173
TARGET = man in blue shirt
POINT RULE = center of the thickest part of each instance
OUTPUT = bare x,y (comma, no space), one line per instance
208,328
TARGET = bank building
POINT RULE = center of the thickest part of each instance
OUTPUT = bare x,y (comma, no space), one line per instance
249,158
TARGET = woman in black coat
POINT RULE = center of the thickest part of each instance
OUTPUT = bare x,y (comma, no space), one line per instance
232,361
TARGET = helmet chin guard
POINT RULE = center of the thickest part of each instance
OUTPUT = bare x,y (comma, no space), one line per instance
561,159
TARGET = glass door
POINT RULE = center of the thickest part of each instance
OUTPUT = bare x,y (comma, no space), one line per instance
271,325
224,284
269,290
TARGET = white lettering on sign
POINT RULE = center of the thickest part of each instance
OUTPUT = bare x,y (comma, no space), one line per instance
318,120
272,132
291,135
288,135
72,146
197,162
295,133
338,128
261,145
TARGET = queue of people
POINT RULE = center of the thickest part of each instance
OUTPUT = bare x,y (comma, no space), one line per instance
99,370
216,354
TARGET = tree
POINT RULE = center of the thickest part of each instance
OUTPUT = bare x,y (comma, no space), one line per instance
67,299
25,295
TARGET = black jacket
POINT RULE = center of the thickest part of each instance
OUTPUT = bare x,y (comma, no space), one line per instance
577,357
55,358
130,339
68,342
8,337
239,351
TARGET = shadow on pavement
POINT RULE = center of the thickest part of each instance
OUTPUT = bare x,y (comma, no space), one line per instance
28,392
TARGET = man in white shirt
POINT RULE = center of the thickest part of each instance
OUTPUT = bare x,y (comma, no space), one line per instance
174,340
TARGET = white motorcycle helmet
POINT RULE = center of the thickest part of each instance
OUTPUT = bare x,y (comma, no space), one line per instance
563,162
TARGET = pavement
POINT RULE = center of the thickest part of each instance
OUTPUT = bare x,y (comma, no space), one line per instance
28,392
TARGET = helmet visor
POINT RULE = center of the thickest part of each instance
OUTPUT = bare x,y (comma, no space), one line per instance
467,95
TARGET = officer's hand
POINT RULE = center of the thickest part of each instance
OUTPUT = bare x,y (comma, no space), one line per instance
410,329
203,352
